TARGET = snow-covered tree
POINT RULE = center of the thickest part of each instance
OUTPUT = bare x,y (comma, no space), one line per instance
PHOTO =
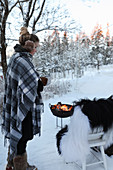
97,45
107,38
97,37
65,42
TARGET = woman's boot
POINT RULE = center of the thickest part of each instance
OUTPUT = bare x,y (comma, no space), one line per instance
20,162
9,162
31,167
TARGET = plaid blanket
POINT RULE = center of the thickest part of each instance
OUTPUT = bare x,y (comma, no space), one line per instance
20,97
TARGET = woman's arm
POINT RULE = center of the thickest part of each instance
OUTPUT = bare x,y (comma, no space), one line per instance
40,86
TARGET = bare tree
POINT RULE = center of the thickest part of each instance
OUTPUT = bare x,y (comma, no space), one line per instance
29,9
39,15
1,12
43,16
7,7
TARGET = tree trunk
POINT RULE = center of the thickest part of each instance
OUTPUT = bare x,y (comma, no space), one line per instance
3,44
3,60
1,13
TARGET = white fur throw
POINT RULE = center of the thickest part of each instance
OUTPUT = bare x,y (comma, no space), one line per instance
74,143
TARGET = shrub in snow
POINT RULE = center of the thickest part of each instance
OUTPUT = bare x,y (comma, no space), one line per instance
57,87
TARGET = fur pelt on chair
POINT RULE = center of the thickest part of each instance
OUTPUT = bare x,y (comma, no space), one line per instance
99,112
88,116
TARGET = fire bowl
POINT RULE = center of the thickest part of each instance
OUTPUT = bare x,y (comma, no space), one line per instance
62,110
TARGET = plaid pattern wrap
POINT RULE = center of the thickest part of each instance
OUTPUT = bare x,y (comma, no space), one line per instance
20,97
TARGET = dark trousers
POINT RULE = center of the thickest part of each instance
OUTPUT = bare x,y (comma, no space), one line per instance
27,134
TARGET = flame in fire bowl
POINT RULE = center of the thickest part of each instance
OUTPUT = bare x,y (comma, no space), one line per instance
62,110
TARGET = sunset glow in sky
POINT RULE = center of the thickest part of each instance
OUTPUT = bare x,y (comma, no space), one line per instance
89,13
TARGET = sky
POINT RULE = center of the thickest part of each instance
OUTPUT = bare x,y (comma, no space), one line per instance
42,151
89,13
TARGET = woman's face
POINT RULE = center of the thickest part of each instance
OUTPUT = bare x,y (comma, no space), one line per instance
36,44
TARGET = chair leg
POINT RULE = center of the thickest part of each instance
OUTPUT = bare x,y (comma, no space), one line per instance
84,165
103,156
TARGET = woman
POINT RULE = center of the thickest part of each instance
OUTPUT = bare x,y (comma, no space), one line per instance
22,101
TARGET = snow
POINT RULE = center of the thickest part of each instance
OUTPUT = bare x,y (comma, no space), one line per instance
42,150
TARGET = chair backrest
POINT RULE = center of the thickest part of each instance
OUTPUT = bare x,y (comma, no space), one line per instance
94,136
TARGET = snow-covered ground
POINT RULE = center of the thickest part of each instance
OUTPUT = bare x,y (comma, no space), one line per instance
42,150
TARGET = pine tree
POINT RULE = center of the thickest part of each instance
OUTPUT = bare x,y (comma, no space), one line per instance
65,41
107,51
97,37
55,41
97,44
107,38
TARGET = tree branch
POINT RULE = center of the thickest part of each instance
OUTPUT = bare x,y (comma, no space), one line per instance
16,4
11,39
2,3
6,4
28,15
32,9
21,9
35,21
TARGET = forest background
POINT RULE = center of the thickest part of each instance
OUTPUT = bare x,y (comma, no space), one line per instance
64,48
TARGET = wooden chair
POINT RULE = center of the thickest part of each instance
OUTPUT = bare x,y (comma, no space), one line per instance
96,140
